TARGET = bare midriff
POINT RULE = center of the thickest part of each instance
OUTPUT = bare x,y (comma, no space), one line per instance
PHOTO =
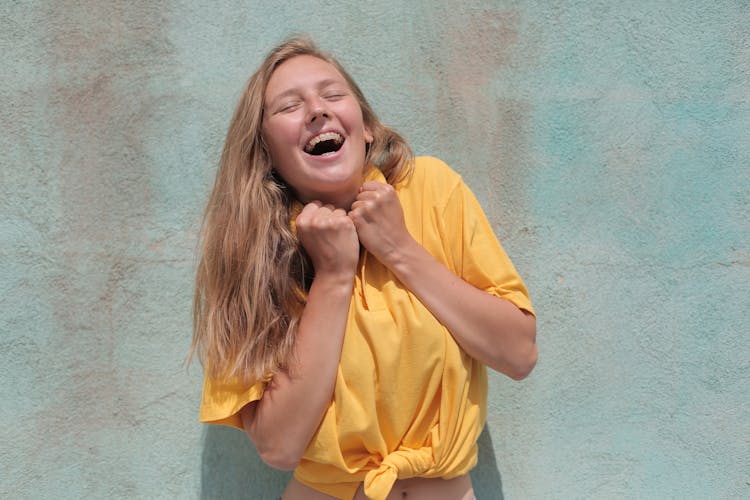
416,488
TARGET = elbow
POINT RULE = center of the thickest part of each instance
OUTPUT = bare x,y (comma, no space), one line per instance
519,366
524,365
276,453
526,359
271,445
519,360
278,459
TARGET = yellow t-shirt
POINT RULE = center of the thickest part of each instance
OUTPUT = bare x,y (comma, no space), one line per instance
408,402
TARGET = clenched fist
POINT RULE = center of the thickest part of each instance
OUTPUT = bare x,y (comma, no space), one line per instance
379,218
329,238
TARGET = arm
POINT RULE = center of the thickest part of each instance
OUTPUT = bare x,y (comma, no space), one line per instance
488,328
284,420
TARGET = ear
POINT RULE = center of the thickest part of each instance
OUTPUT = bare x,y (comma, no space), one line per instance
368,136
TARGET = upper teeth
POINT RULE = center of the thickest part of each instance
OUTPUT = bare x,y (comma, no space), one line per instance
327,136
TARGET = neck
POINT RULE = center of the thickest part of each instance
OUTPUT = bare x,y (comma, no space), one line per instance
342,197
338,200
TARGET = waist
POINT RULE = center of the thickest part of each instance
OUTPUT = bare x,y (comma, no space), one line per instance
415,488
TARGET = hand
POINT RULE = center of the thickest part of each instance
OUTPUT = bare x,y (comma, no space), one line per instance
379,219
329,238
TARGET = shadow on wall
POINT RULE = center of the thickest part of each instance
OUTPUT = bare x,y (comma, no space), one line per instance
486,476
231,468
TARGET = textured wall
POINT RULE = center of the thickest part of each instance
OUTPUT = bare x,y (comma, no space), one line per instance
609,144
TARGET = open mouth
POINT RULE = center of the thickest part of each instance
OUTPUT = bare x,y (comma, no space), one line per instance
326,143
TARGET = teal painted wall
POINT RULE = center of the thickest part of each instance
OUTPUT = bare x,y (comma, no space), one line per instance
609,144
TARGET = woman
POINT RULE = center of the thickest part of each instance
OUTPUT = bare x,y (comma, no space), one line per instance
349,296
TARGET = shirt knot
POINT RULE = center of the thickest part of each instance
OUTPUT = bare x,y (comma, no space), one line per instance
401,464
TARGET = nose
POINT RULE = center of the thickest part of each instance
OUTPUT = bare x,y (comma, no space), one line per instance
316,109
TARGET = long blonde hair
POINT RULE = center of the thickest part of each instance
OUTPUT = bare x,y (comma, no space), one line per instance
251,282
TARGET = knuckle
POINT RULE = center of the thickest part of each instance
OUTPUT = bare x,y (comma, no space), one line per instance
320,224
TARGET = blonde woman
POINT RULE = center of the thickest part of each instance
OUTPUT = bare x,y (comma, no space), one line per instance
349,296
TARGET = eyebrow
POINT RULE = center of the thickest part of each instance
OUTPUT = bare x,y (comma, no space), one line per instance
321,85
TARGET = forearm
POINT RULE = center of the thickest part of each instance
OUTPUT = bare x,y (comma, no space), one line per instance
282,423
490,329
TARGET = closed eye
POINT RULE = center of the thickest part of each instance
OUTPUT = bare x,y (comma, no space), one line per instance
333,90
288,106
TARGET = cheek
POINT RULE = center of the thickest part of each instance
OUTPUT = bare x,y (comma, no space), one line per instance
275,140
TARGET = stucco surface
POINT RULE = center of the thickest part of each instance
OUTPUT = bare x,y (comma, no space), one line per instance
608,142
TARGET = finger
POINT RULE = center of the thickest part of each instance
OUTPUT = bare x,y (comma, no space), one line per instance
324,211
313,214
374,186
360,213
327,210
355,216
308,210
339,212
333,219
329,218
368,195
362,206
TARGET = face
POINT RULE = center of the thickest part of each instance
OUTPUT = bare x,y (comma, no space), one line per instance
314,131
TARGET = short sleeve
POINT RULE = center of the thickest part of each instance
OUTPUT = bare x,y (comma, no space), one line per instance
222,400
477,255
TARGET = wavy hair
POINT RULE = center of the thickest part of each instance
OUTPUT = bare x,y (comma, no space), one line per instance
251,280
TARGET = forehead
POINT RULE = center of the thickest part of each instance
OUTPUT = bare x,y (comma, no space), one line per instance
300,72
